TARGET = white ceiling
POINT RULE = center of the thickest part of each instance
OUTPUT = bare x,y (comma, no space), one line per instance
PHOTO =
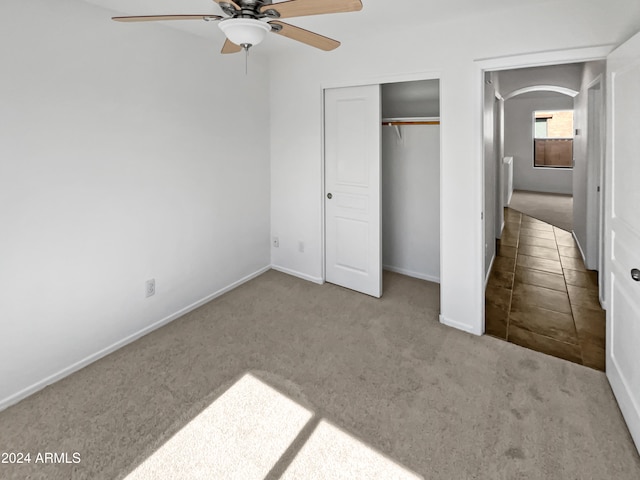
376,15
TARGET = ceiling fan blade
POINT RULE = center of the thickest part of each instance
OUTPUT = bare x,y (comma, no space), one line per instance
230,2
154,18
305,36
301,8
230,47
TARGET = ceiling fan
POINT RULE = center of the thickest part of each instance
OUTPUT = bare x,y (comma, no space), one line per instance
248,21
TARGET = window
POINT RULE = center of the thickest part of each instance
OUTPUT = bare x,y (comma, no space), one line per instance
553,139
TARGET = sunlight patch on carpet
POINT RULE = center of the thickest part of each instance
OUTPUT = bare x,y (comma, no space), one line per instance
333,454
245,432
239,436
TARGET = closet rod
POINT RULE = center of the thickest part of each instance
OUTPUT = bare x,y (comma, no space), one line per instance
424,122
399,121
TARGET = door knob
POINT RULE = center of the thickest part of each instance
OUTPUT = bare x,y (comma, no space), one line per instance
329,196
635,274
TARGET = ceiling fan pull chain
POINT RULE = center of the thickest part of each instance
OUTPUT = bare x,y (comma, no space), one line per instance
246,58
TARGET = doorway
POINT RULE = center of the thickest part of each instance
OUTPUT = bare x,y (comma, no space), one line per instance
411,179
539,293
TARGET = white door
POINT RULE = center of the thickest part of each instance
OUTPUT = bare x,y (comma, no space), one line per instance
353,254
623,229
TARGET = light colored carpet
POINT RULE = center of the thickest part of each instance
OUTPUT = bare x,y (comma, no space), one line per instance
552,208
245,432
436,401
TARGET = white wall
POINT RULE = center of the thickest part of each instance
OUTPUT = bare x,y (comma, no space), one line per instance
493,168
411,201
122,158
504,183
582,181
490,175
447,51
518,142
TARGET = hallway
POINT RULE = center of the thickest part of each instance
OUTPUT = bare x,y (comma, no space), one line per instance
540,296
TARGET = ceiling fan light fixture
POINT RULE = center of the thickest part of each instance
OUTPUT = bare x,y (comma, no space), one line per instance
244,31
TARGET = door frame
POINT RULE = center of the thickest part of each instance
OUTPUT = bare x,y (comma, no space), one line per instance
358,82
496,64
595,176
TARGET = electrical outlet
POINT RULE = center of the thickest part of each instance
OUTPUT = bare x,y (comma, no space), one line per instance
276,242
301,246
150,287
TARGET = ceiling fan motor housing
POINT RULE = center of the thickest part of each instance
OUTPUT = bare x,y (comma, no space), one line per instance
248,9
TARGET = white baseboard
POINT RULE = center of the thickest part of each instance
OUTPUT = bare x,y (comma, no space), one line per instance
584,258
486,277
460,326
603,305
301,275
410,273
30,390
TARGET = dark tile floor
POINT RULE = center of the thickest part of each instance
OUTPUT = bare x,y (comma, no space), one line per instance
541,296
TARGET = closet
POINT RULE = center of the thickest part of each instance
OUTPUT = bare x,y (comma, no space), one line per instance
411,178
381,183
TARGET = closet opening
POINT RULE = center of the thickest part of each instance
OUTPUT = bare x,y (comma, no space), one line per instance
382,186
411,179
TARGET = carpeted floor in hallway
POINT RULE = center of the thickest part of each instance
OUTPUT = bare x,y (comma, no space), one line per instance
553,208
